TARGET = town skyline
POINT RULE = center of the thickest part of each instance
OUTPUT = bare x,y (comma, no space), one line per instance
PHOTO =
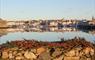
48,19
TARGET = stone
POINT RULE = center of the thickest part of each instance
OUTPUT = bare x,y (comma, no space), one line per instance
56,53
78,48
30,55
71,58
11,55
19,54
51,51
33,50
92,52
59,58
88,58
14,48
76,53
70,53
19,58
87,50
5,55
40,50
81,53
93,57
83,58
14,52
0,54
88,55
44,56
22,52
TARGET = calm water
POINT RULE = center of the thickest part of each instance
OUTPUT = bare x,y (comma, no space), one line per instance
46,36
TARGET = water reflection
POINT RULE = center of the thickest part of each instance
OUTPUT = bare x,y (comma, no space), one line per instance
45,34
38,29
45,29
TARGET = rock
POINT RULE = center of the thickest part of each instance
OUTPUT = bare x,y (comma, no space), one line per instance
77,50
92,52
70,53
19,54
93,57
59,58
0,54
56,53
83,58
33,50
87,50
76,53
40,50
52,50
11,55
30,55
19,58
88,55
14,53
14,48
88,58
81,53
44,56
71,58
5,54
22,52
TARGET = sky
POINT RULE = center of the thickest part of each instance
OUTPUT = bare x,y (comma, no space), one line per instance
47,9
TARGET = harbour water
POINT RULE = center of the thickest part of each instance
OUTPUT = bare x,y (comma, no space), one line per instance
50,34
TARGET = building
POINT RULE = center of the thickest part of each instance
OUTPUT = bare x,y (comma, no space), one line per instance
3,23
92,21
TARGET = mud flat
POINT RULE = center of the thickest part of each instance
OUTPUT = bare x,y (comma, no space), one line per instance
74,49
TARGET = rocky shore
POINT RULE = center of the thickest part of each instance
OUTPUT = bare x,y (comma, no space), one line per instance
74,49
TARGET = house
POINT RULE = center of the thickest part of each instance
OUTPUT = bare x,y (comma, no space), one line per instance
92,21
53,23
3,23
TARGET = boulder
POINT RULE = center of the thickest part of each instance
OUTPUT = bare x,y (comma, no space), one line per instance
11,55
44,56
92,52
83,58
34,50
81,53
5,54
0,54
71,58
56,53
19,57
87,50
14,52
30,55
40,50
89,59
59,58
14,48
76,53
19,54
77,50
70,53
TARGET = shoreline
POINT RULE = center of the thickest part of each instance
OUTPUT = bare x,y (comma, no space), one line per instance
75,49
